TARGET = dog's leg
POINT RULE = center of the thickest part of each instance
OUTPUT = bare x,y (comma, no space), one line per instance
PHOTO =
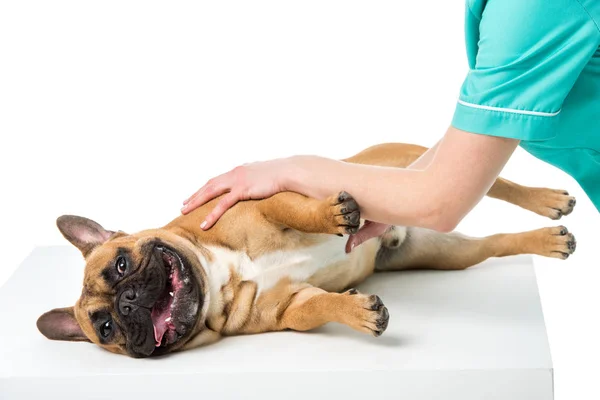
312,307
549,203
337,214
415,248
303,307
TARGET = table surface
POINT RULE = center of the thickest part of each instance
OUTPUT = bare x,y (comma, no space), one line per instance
486,318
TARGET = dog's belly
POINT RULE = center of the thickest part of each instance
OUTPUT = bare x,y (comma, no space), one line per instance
325,265
350,271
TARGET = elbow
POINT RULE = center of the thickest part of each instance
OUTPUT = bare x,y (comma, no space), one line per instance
441,218
445,225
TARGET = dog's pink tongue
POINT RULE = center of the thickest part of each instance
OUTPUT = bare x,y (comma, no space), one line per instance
160,325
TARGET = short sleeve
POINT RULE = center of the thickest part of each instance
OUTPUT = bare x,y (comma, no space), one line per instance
529,55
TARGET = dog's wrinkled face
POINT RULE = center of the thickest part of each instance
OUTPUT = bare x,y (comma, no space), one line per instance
142,294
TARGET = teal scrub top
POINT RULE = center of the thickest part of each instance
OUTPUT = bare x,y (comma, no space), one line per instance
535,76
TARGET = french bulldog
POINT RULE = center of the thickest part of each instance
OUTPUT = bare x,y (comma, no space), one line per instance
268,265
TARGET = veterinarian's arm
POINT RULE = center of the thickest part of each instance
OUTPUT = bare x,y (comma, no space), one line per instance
263,179
438,197
462,169
372,229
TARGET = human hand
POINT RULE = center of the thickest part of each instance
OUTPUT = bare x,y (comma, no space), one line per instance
369,230
249,181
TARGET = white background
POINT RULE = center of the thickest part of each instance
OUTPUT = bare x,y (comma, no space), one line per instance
118,110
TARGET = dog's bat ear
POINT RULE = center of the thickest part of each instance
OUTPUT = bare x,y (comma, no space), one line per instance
60,324
83,233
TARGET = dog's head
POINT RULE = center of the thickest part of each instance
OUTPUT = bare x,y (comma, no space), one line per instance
143,294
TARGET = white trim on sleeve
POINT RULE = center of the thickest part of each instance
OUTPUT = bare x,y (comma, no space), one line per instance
509,110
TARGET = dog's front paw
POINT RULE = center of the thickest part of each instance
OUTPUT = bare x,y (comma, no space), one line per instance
369,315
343,214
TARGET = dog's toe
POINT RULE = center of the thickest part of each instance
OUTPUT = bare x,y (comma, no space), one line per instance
345,213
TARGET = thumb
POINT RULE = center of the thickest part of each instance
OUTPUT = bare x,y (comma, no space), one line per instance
369,230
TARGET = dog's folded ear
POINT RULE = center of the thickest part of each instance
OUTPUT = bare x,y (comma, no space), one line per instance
83,233
60,324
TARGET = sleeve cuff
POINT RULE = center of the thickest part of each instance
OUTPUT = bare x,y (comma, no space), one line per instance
512,124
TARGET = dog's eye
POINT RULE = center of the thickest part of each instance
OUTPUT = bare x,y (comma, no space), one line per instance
106,329
121,265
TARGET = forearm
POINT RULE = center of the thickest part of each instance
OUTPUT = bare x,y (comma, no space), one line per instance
308,176
378,190
448,182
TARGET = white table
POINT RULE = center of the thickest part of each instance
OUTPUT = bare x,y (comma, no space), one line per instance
475,334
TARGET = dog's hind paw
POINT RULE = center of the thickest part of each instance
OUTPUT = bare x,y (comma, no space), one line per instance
551,203
556,242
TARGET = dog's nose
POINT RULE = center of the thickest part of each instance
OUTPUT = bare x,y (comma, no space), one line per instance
127,301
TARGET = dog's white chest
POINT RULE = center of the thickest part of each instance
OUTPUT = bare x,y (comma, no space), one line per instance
297,265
